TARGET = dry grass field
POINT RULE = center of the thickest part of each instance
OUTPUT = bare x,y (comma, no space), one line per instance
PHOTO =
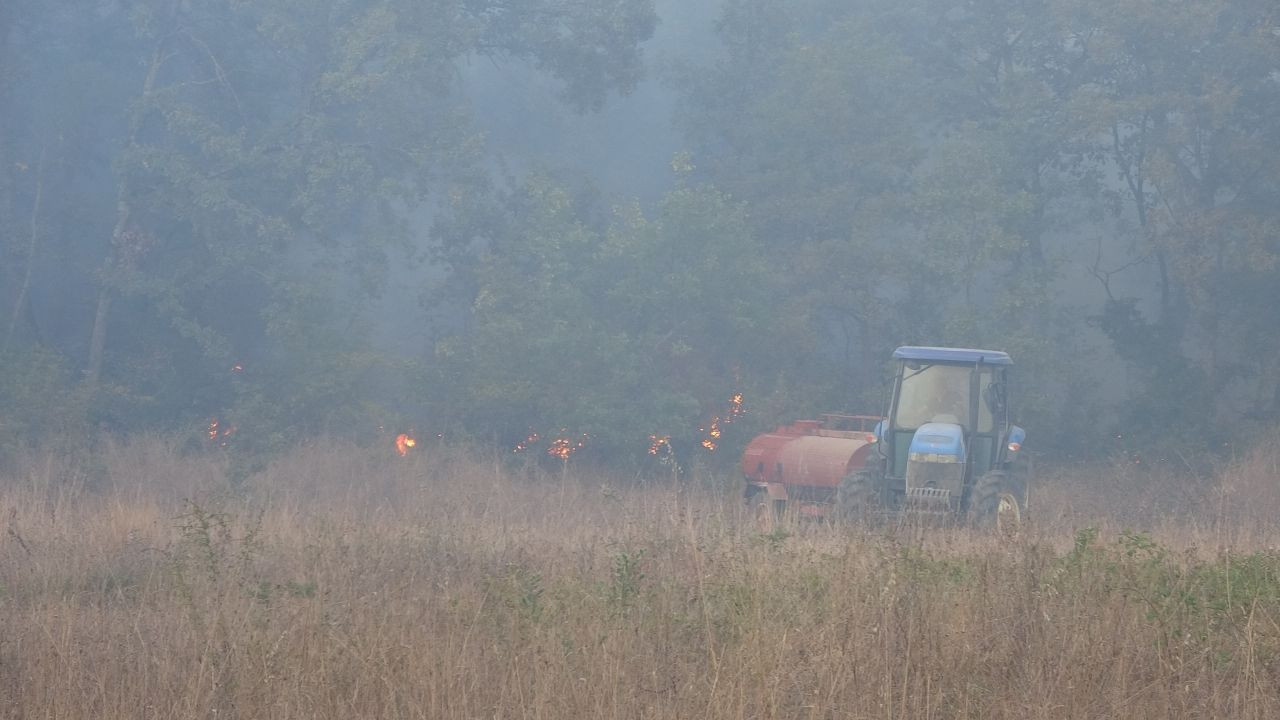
348,583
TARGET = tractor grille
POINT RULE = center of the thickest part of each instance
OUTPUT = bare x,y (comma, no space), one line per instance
929,495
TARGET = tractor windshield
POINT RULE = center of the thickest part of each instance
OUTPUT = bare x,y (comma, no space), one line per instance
940,393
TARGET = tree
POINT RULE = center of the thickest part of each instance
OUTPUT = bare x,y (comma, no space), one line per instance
1181,103
804,125
263,159
902,159
647,326
933,166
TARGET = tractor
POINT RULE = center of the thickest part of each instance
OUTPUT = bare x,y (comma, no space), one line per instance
946,444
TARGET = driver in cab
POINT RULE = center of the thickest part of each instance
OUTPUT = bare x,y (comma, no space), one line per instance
949,406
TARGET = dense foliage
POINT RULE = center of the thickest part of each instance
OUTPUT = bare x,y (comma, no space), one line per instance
204,208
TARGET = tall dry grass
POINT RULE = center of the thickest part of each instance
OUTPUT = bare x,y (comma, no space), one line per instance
347,583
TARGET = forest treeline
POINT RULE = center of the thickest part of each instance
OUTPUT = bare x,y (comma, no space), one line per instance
203,206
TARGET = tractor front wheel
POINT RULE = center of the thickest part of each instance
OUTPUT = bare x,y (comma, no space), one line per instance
858,495
999,501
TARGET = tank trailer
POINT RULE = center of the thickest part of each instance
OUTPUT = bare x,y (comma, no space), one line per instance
945,445
802,465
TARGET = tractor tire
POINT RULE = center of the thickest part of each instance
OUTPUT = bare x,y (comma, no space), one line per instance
858,496
999,502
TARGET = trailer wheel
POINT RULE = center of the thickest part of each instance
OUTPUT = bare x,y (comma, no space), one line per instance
764,512
999,502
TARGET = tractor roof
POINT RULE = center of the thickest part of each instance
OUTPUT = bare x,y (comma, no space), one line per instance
952,355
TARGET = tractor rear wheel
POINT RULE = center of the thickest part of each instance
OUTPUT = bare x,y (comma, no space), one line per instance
999,501
858,495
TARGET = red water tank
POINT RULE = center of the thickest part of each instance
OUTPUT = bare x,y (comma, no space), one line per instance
810,453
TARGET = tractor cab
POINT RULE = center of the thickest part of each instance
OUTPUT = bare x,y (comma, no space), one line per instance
947,427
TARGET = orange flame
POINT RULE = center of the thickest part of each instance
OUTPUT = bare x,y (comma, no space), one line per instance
563,447
404,442
711,440
216,430
523,445
660,444
714,431
735,407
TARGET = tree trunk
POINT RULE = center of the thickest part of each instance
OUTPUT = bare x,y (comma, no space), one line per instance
98,340
20,303
117,255
6,166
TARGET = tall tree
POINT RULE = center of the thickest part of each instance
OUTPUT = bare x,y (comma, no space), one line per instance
900,158
647,325
263,160
1181,102
6,168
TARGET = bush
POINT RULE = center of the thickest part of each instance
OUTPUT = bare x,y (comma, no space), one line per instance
38,403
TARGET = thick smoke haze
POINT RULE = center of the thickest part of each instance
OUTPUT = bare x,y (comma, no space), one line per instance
603,221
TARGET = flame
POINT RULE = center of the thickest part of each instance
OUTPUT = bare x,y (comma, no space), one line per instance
563,447
711,435
217,431
715,430
660,444
404,442
237,368
523,445
735,408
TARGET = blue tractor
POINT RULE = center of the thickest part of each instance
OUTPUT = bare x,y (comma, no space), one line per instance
946,443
